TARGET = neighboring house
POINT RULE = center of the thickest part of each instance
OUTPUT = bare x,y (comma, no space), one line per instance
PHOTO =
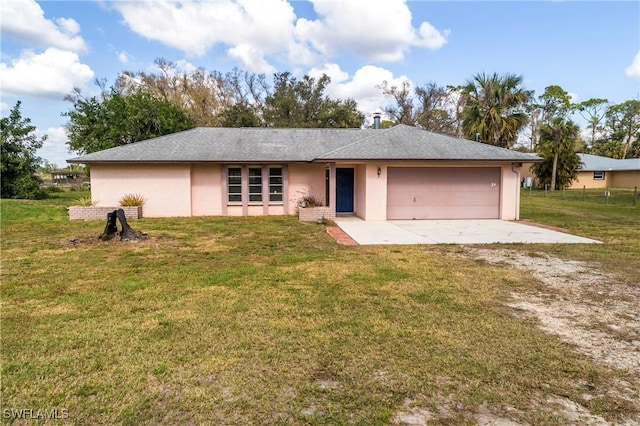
65,176
604,172
397,173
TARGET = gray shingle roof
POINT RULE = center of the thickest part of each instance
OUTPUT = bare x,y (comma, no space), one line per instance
410,143
601,164
228,145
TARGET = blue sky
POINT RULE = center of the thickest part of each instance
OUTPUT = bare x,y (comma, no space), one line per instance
591,49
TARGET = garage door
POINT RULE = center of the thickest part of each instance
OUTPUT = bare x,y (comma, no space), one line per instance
443,193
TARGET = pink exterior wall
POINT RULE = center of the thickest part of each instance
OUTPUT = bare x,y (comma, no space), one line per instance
234,211
376,201
510,195
206,190
255,210
165,187
360,190
305,179
173,190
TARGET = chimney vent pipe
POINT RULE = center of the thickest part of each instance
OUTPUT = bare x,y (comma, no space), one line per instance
376,120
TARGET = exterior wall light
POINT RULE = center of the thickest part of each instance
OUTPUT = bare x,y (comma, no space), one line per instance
379,171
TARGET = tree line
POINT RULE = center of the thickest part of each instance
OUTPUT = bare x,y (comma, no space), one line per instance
498,110
489,108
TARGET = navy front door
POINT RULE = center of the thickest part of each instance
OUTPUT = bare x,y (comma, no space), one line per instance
344,190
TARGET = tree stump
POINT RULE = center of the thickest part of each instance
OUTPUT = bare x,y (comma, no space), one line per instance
127,233
110,229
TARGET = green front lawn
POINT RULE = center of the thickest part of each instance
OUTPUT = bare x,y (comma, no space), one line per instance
617,225
269,321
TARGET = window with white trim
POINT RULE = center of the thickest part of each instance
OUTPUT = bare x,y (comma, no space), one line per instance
255,184
234,184
275,184
598,175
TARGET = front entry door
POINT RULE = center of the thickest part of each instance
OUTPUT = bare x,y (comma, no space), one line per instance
344,190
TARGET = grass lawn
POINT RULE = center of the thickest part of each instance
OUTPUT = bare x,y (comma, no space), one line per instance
617,225
269,321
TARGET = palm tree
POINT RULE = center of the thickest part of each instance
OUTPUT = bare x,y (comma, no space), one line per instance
495,108
559,144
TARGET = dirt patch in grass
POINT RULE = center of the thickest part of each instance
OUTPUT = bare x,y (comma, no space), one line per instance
593,310
92,241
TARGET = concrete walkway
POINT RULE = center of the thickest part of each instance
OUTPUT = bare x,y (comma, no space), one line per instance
486,231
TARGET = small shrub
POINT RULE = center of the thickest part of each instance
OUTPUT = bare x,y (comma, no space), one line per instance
132,200
52,189
311,201
85,202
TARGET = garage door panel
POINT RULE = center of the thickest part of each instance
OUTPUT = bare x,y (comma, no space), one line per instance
443,193
462,198
443,212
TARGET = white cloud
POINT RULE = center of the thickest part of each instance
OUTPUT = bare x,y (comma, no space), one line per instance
381,31
24,20
196,27
122,56
185,66
633,70
251,59
573,97
55,149
53,74
69,25
332,70
431,37
363,86
4,108
256,31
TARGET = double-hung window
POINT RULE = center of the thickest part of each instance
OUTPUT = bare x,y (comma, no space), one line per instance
234,184
275,184
255,184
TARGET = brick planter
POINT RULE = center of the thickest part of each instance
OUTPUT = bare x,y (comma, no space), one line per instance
312,214
100,213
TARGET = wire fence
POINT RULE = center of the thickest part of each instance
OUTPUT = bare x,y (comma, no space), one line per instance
605,196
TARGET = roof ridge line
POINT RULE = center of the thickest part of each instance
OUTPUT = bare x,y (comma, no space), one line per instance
355,142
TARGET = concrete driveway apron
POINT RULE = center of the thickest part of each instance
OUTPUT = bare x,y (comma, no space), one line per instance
485,231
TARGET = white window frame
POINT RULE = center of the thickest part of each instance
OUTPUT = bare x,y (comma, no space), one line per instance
234,185
255,189
275,193
599,175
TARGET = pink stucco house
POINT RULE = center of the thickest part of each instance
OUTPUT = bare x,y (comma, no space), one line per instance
398,173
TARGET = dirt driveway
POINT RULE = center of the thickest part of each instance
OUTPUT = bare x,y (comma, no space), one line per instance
595,311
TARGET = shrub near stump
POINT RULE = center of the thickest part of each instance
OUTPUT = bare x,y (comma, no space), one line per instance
132,200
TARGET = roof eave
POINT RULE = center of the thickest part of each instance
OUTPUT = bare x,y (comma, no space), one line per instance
474,160
88,162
